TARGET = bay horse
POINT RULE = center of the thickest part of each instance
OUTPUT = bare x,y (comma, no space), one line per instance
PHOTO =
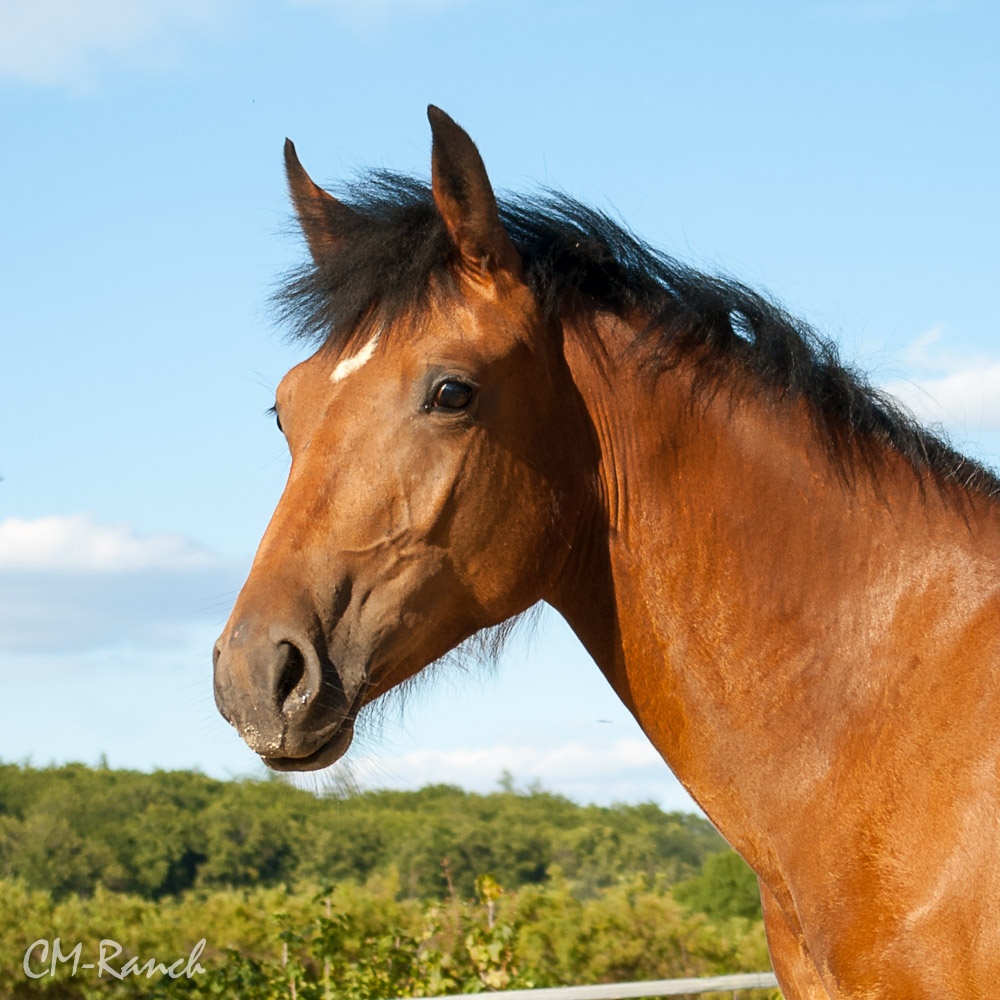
792,586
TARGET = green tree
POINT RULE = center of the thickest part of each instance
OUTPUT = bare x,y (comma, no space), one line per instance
72,829
725,888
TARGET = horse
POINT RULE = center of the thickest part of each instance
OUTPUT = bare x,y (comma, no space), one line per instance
793,587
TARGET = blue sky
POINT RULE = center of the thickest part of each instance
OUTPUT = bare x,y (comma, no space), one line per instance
841,154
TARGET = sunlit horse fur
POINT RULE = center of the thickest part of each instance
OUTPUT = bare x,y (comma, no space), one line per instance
794,589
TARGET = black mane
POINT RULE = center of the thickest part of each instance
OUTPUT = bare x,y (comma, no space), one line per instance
578,260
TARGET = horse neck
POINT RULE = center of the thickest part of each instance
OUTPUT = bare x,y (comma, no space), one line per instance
739,594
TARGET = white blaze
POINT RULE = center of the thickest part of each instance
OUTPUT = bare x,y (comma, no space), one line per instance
348,366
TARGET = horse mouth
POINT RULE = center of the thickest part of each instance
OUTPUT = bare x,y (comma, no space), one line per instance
332,750
332,742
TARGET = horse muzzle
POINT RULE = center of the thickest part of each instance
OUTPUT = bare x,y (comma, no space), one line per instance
285,697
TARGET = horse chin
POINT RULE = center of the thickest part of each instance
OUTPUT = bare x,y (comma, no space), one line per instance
332,750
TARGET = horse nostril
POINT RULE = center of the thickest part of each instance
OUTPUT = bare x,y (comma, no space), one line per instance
290,674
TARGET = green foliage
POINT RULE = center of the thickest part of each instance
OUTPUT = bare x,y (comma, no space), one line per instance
725,888
67,829
70,829
350,943
437,891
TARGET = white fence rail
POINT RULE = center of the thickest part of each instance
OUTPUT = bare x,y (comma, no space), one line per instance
652,988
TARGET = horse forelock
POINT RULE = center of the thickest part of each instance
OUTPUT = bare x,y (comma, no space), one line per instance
580,262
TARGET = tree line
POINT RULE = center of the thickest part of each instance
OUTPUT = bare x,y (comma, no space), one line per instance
67,830
258,890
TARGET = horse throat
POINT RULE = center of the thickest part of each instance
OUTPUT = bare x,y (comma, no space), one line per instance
747,604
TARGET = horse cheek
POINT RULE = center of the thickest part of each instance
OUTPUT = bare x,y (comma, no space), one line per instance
505,540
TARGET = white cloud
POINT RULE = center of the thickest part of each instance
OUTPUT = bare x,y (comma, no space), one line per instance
601,771
72,584
63,42
559,761
967,399
958,392
78,544
70,42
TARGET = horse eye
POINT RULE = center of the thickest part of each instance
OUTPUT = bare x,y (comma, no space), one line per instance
452,395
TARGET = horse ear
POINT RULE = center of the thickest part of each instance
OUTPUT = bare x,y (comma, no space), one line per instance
322,217
465,199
